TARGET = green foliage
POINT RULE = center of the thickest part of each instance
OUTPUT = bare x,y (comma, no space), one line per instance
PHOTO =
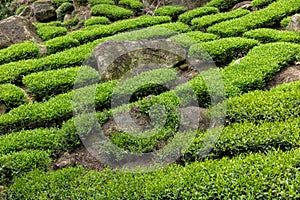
135,5
96,20
71,23
206,21
222,51
261,3
198,12
16,164
193,37
11,96
20,51
222,5
65,8
243,77
111,11
59,44
32,115
49,32
59,2
285,21
267,17
172,11
20,9
95,2
255,176
248,137
276,105
57,141
272,35
46,84
95,32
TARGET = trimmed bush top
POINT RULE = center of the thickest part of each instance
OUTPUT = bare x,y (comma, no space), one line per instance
111,11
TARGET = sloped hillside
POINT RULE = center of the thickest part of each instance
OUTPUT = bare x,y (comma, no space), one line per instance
148,100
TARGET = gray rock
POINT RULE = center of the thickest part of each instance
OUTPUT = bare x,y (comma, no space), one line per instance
294,24
16,29
122,59
44,11
243,5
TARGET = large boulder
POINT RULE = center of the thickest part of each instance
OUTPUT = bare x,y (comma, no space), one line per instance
44,11
16,29
116,58
294,24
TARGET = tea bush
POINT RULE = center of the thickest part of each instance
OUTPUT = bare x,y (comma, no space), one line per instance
111,11
20,51
270,35
267,17
12,96
187,16
203,22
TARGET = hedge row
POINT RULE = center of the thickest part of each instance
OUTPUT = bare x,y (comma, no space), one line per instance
267,17
53,140
254,71
95,2
261,3
253,176
222,51
134,5
50,32
285,21
198,12
193,37
222,5
18,163
46,84
280,103
59,44
96,20
24,50
172,11
271,35
248,137
111,11
11,96
92,33
13,72
203,22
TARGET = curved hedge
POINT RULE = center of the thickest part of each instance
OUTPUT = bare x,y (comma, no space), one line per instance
255,176
59,44
17,163
46,84
135,5
172,11
111,11
261,3
50,32
222,51
96,20
187,16
271,35
12,96
267,17
95,2
206,21
222,5
193,37
24,50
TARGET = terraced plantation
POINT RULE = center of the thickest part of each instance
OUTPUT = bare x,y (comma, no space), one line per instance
149,100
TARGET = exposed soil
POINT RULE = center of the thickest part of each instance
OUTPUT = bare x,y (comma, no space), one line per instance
289,74
80,157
